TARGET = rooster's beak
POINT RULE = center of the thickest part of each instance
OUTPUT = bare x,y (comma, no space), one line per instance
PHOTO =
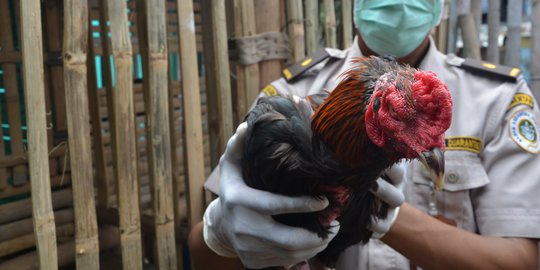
434,162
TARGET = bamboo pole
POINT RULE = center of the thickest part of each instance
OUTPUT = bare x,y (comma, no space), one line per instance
100,161
20,172
494,22
32,48
248,75
512,52
222,72
193,149
295,27
106,73
347,23
53,25
311,25
452,27
78,125
124,137
476,11
441,34
4,30
535,47
468,30
153,44
209,74
269,19
330,24
49,86
178,166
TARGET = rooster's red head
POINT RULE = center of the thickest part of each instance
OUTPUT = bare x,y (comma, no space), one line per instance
402,111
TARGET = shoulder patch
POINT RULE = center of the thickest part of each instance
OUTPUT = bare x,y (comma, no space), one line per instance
521,99
270,90
491,70
295,70
465,143
524,131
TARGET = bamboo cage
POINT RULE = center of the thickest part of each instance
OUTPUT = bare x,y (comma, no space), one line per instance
114,112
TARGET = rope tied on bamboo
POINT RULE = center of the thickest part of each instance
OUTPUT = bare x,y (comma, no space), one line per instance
249,50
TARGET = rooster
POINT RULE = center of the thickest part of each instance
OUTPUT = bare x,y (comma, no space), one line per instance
337,144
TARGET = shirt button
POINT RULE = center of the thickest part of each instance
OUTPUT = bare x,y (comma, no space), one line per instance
452,177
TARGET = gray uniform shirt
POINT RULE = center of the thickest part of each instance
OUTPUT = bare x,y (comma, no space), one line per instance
492,182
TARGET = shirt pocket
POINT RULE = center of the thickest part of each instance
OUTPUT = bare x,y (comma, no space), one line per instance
463,173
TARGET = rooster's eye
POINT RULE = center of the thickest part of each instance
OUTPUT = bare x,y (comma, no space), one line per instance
376,104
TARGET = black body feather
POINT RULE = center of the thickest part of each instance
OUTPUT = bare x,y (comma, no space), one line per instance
282,156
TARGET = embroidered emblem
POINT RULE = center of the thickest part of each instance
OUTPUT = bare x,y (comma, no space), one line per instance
524,131
270,90
466,143
521,99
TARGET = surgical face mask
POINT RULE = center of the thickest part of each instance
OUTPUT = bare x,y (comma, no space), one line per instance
395,27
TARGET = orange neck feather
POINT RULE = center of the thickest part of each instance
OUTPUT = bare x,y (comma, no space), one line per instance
340,123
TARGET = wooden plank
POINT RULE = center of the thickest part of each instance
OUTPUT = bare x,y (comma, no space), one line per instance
57,181
20,172
101,176
32,48
15,160
311,25
124,132
248,75
108,237
153,35
24,226
296,29
17,244
330,24
27,241
23,209
78,125
193,153
346,23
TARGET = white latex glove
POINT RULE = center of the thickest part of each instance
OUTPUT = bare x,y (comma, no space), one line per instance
392,194
239,222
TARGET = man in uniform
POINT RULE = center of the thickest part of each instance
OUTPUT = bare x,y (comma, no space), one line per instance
487,217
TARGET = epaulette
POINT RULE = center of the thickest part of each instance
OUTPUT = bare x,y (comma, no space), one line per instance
487,69
295,70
